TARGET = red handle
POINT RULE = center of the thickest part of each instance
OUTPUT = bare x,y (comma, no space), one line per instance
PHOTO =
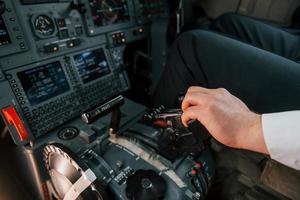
13,118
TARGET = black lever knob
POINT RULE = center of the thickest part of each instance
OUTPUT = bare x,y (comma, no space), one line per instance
199,131
2,7
100,111
115,121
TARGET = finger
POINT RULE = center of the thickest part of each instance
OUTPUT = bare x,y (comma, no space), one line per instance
194,99
191,113
197,89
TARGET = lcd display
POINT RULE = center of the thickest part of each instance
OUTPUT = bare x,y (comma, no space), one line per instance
43,82
91,65
4,35
107,12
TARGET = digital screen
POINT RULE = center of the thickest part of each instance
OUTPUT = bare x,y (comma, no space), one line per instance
107,12
91,65
4,35
43,82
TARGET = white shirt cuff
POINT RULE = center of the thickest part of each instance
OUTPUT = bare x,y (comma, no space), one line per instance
282,137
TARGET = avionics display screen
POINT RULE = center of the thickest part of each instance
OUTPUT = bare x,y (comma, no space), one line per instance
91,65
43,82
107,12
4,35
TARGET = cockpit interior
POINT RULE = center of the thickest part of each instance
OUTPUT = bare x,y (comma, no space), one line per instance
77,115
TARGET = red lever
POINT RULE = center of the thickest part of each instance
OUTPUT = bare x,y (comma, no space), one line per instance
13,118
161,123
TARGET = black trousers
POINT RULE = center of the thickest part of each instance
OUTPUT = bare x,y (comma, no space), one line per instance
262,70
258,34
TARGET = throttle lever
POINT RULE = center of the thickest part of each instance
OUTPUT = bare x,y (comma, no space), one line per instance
100,111
199,131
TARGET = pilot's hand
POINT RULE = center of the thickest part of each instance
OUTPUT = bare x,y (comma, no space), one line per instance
226,117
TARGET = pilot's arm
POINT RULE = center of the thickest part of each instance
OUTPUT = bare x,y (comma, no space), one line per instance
231,122
282,137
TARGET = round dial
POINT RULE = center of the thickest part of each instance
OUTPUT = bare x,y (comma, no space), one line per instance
68,133
44,26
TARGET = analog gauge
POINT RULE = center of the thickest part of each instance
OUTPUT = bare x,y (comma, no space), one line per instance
44,26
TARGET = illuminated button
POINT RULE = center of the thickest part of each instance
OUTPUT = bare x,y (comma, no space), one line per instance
51,48
193,172
141,30
198,165
12,19
73,43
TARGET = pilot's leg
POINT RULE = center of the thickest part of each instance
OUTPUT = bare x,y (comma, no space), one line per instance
265,81
259,34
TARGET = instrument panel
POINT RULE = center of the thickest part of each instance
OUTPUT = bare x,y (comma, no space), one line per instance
52,92
38,30
12,39
73,60
61,59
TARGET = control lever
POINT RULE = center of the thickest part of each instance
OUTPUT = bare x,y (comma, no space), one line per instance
115,121
108,107
198,129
